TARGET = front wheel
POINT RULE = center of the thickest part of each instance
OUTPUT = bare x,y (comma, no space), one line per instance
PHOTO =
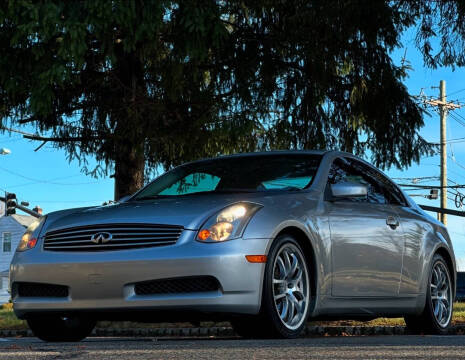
55,328
436,317
286,294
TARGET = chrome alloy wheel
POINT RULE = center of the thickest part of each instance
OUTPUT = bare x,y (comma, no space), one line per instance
441,294
290,286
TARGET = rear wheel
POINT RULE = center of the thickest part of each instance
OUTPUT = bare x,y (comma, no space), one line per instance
437,314
60,328
286,294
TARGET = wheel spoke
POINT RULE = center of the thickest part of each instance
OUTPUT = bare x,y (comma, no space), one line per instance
445,303
294,264
287,263
435,278
279,281
297,304
279,296
441,312
298,276
281,268
284,309
291,305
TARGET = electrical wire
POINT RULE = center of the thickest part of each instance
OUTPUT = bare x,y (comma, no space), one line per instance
51,182
455,92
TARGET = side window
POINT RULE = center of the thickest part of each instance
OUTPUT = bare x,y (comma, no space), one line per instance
390,192
348,170
6,242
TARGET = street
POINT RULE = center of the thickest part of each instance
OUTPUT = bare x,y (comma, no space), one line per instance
372,347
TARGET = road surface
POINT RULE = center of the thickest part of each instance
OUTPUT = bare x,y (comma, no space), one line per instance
372,347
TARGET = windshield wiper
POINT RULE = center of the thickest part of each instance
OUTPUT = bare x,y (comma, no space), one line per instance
233,190
149,197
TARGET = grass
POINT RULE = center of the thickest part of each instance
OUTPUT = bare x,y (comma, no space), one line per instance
8,320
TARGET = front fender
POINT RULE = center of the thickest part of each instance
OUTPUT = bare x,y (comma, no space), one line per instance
308,225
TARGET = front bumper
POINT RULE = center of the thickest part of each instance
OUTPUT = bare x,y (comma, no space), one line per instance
104,281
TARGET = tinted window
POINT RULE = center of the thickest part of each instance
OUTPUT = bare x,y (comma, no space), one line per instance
343,170
192,183
391,193
241,173
380,189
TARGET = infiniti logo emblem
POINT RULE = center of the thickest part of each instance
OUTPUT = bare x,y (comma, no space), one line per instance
101,238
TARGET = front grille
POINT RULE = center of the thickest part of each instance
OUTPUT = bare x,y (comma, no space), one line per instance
192,284
25,289
123,236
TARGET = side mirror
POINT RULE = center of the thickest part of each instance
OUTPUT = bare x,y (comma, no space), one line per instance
348,190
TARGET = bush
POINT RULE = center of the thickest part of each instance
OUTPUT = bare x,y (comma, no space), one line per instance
7,306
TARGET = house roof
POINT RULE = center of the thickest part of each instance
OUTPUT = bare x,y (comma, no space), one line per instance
24,220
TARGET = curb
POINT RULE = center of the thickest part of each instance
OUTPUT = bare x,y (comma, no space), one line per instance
309,331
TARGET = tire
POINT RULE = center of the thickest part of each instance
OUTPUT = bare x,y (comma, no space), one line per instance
55,328
436,317
289,280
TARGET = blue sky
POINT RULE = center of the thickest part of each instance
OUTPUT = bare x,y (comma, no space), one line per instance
46,178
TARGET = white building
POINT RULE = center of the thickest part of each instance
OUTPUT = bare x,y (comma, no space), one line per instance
12,229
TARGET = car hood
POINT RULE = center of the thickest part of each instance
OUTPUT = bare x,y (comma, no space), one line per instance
189,212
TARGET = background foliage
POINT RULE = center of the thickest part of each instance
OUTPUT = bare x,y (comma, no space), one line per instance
144,83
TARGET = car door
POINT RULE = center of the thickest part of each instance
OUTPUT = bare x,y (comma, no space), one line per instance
366,237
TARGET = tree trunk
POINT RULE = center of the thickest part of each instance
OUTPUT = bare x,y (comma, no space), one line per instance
129,144
129,171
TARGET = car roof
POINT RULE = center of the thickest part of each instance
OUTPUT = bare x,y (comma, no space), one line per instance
266,153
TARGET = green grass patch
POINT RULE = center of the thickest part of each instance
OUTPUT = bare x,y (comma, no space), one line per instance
8,320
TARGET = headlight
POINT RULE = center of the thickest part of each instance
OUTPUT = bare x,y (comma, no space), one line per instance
29,239
228,224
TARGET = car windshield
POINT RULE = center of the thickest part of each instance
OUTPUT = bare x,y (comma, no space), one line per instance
236,174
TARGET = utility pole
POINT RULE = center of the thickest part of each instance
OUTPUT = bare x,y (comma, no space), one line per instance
443,112
444,107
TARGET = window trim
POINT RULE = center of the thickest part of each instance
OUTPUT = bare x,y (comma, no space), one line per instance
3,242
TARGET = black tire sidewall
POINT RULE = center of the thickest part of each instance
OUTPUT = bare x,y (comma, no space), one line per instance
268,306
54,329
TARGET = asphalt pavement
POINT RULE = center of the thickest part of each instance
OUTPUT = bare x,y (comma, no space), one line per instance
353,347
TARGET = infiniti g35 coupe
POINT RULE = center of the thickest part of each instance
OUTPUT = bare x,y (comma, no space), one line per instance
264,240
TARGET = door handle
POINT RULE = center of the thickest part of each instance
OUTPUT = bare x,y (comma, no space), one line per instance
392,222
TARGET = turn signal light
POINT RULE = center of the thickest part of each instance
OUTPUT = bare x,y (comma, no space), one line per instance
31,243
256,258
204,234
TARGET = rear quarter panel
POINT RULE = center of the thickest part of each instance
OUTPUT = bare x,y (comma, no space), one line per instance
424,236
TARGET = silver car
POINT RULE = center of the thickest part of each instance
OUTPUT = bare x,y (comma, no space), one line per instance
264,240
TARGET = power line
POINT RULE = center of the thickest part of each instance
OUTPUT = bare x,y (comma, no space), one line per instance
417,179
456,163
51,182
457,119
456,92
433,186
